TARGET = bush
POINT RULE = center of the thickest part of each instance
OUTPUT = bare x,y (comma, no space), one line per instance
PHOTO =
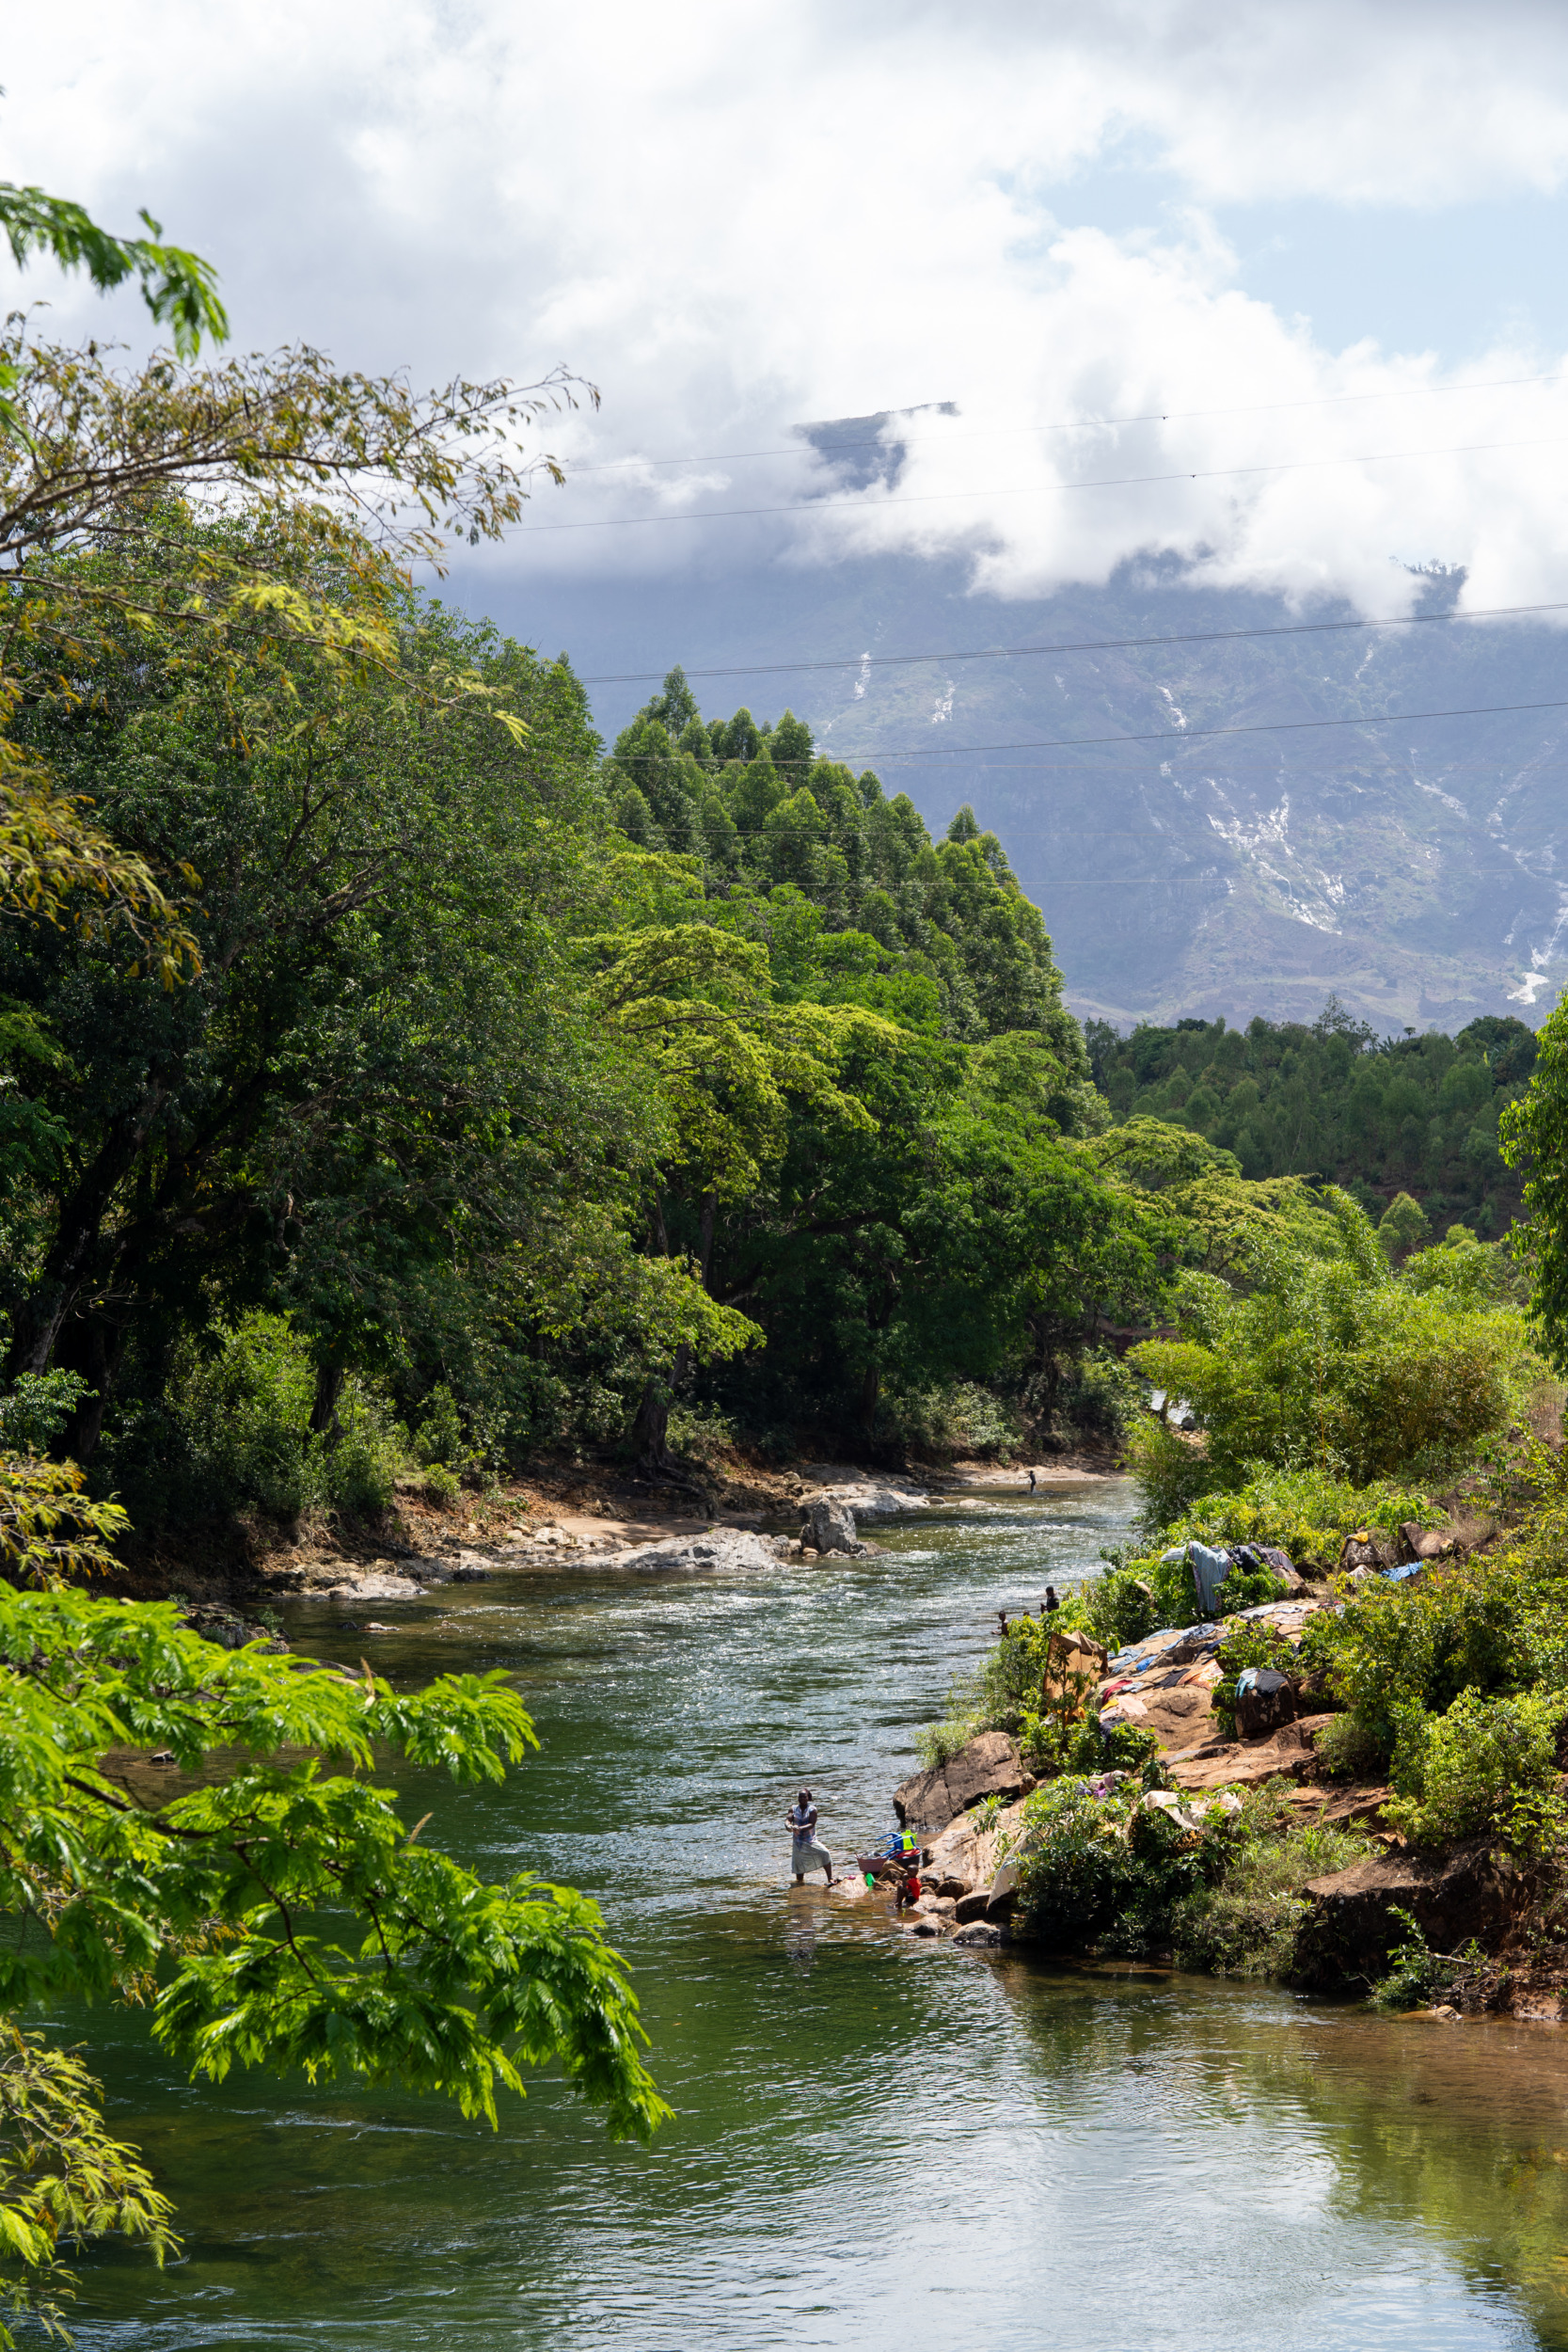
1100,1395
441,1485
1096,1865
1488,1765
1246,1644
961,1418
1348,1752
244,1413
37,1408
1172,1471
1307,1513
1246,1923
1330,1363
938,1743
1398,1649
438,1438
1118,1607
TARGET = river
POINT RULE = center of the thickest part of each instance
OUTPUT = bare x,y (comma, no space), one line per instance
879,2142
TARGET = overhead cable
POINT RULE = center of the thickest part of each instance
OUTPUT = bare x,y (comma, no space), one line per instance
1089,645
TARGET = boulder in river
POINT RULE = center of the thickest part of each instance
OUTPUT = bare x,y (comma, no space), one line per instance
722,1550
828,1525
989,1765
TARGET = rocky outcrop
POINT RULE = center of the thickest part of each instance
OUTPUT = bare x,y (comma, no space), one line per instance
868,1496
722,1550
1265,1703
828,1525
989,1765
1474,1891
1248,1763
227,1629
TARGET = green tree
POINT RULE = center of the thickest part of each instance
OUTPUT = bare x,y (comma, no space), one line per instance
1534,1134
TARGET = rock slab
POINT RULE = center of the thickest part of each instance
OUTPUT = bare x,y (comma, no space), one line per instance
1475,1890
989,1765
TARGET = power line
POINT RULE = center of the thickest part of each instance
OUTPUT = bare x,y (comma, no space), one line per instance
1164,734
1103,482
1188,735
1078,425
1092,644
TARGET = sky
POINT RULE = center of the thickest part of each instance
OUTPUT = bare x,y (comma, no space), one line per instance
1277,293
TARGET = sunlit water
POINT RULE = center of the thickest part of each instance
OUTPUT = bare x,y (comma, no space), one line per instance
879,2142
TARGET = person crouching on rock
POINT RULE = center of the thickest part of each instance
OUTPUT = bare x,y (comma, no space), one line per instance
910,1890
806,1853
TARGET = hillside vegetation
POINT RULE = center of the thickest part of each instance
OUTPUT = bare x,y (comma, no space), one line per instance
1417,1114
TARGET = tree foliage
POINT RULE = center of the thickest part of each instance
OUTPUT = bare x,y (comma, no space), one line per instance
1414,1116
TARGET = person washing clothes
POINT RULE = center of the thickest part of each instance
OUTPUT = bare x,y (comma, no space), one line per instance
805,1852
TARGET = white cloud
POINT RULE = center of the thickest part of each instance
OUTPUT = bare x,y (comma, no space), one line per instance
732,217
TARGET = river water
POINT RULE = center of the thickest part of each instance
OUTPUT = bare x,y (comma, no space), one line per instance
879,2142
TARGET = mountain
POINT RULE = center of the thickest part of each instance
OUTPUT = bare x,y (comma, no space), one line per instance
1418,871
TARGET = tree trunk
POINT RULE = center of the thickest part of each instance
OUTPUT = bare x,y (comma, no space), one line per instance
330,1386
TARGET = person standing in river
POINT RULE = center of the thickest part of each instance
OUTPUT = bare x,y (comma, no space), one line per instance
806,1853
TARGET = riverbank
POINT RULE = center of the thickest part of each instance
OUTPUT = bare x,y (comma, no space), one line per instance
560,1512
966,2128
1227,1826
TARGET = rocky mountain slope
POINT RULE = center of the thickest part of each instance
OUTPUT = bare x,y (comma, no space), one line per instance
1415,870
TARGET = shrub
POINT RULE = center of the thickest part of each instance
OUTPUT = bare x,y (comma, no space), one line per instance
938,1743
701,1430
37,1408
1334,1364
1172,1471
1487,1765
1307,1513
1096,1865
1246,1923
244,1413
961,1418
441,1485
438,1437
1118,1607
1398,1649
1102,1395
1246,1644
1347,1751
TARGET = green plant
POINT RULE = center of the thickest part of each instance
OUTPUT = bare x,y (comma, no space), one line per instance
938,1743
441,1485
1306,1513
1246,1644
1475,1624
37,1408
1347,1751
1119,1605
1095,1864
1246,1922
1487,1765
438,1437
1415,1970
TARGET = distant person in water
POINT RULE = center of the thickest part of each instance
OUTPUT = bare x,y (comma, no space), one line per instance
1050,1605
1031,1482
806,1853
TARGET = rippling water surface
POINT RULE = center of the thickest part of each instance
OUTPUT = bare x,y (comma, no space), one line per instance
879,2142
